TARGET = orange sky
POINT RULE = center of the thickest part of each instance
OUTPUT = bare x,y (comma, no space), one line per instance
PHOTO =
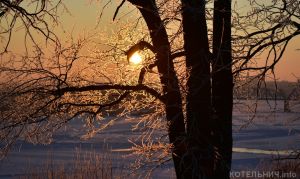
289,66
84,17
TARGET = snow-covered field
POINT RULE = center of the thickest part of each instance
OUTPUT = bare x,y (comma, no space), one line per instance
271,132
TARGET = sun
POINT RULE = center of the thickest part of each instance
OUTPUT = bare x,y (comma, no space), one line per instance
136,58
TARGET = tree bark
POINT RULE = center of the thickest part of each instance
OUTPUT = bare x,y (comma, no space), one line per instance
209,139
168,78
199,158
222,87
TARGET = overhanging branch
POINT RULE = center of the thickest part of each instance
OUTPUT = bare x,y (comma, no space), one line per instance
139,87
139,46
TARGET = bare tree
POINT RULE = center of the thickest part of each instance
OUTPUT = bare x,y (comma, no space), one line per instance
193,66
37,19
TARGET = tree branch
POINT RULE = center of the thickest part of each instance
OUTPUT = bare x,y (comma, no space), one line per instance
177,54
139,87
139,46
117,10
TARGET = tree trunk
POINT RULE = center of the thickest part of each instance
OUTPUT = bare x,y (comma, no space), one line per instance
222,87
169,80
199,159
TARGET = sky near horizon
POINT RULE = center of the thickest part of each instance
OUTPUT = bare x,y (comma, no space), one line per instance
84,17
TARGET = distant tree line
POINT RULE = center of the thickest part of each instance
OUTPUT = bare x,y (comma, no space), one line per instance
270,90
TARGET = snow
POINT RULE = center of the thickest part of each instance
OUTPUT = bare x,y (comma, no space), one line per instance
272,132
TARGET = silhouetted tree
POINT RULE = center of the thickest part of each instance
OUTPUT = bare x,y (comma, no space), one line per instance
199,114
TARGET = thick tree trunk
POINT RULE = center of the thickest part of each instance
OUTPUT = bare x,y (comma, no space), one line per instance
222,87
209,141
168,78
199,159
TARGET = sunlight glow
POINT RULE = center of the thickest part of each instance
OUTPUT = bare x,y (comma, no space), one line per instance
136,58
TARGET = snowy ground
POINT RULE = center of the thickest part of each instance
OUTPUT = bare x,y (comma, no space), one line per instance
271,132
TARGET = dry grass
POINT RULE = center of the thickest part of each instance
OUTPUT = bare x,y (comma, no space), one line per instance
85,165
